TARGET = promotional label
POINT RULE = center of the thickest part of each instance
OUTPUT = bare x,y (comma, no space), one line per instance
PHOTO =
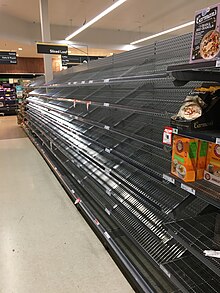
206,36
167,135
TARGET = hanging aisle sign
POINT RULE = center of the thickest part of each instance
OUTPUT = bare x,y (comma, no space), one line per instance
7,57
77,59
47,48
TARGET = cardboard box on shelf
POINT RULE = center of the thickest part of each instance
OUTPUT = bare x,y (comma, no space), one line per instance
184,158
212,172
206,35
201,159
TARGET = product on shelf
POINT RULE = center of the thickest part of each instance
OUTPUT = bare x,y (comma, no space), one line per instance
201,159
191,108
200,109
184,158
212,172
206,35
8,99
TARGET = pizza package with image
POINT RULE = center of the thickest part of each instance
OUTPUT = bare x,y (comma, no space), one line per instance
212,172
206,35
184,158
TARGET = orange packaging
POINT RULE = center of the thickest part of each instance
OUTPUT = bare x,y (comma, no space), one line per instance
212,172
184,158
201,159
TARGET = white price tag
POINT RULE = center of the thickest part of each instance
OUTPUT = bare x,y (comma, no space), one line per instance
165,271
212,253
217,140
107,170
108,150
107,235
107,211
108,191
106,80
188,189
107,127
168,178
75,82
83,81
90,81
106,104
217,64
175,131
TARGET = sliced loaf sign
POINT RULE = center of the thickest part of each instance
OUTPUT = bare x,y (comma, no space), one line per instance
47,48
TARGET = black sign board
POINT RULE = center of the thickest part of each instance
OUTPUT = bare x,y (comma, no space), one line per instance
52,49
8,57
77,59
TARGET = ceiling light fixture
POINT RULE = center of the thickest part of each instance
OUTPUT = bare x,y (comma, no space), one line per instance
20,49
164,32
95,19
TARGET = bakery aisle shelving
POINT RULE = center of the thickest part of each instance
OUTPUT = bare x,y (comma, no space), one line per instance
101,126
46,246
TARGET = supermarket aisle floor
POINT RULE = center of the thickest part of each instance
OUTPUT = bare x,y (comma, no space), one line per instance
9,129
45,244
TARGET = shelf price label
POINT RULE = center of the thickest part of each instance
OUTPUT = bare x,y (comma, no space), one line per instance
108,150
175,130
167,135
168,178
188,189
165,271
108,211
107,236
217,140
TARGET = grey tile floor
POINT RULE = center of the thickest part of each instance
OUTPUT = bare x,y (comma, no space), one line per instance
45,244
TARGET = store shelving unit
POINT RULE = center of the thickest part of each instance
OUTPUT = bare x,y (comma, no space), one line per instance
100,126
8,100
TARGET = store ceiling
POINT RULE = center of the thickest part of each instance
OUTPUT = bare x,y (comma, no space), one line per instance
20,27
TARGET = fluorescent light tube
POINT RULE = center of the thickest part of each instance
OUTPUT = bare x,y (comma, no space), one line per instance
164,32
95,19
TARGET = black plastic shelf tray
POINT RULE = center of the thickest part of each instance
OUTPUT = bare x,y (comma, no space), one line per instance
197,235
192,275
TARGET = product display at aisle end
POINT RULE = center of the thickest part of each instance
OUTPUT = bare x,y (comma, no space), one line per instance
100,129
8,99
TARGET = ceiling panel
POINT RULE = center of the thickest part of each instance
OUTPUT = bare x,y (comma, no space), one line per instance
132,20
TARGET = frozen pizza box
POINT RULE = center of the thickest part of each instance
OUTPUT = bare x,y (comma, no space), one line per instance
212,172
184,158
201,159
206,35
